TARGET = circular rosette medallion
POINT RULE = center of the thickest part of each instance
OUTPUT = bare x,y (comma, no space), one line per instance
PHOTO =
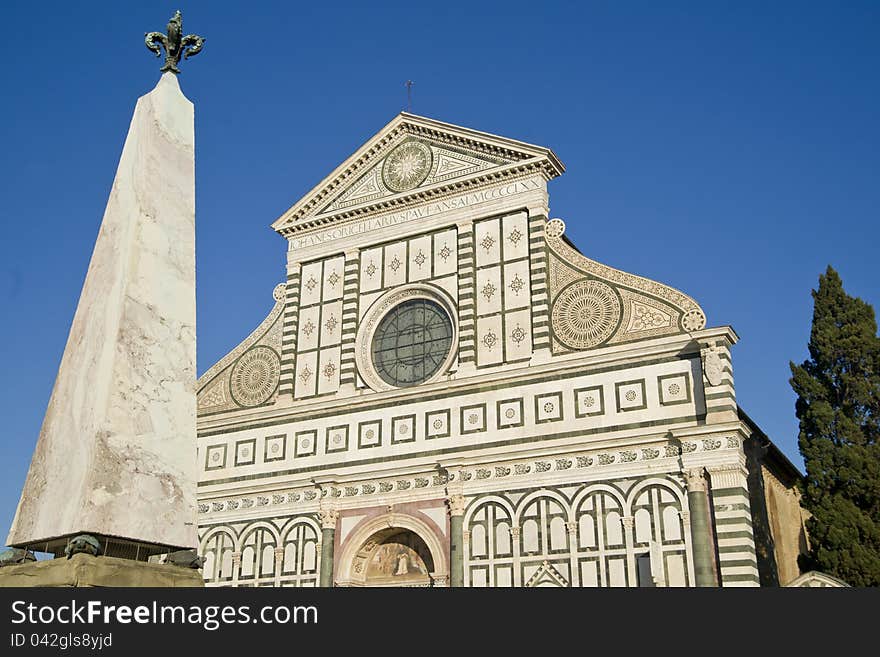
255,376
407,166
585,314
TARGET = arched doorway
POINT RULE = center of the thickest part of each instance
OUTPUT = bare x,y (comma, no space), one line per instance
393,550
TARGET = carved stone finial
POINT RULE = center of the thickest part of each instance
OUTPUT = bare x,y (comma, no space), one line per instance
175,45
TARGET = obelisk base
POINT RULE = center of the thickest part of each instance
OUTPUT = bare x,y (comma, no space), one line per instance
84,570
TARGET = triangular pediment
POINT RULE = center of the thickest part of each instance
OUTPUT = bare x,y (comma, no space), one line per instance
547,575
414,158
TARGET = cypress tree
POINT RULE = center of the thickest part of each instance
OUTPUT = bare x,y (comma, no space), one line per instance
838,407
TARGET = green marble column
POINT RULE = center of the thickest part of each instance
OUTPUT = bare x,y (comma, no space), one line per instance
705,571
456,544
328,536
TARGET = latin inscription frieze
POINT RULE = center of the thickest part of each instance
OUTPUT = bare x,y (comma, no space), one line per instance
395,218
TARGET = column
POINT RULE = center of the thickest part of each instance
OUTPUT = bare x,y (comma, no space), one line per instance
279,565
572,528
328,517
689,546
515,545
628,522
701,530
236,567
456,505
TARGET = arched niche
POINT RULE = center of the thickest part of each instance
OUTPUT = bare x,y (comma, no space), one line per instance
393,550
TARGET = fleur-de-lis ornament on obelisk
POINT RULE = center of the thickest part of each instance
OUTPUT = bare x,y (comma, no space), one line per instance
174,44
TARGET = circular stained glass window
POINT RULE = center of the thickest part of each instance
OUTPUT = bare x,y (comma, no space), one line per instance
411,342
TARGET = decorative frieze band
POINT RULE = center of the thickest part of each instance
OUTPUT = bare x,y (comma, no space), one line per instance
466,476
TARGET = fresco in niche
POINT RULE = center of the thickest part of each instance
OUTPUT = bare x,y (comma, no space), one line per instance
400,560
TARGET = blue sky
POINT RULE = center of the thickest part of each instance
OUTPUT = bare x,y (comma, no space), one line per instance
727,149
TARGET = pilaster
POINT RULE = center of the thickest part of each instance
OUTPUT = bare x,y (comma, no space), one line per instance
351,293
288,332
466,298
737,557
540,299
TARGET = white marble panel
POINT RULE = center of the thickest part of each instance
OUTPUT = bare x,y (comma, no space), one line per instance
675,570
617,572
420,256
590,573
489,340
395,264
445,252
310,284
371,269
309,328
515,236
488,290
334,278
306,374
516,285
487,242
518,334
328,372
331,323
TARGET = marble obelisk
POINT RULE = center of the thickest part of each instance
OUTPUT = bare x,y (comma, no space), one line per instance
116,456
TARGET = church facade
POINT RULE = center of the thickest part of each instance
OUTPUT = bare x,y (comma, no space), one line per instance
448,393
